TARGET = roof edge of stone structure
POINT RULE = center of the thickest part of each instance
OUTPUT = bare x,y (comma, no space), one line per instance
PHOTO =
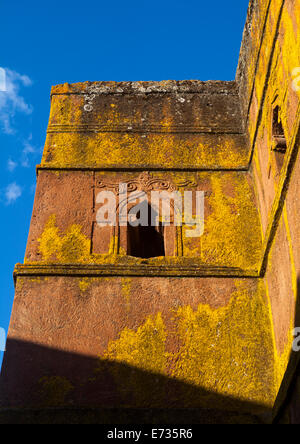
148,87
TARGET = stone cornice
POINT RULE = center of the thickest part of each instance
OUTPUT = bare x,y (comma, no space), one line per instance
140,270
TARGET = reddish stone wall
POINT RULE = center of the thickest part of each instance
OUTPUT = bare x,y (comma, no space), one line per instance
271,52
139,342
209,325
65,210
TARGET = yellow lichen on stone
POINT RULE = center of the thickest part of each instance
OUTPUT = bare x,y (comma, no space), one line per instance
126,288
282,359
84,284
54,390
75,247
68,248
117,149
292,256
226,351
229,350
232,234
144,348
50,241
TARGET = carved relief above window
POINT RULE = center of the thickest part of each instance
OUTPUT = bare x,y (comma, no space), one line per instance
139,241
146,182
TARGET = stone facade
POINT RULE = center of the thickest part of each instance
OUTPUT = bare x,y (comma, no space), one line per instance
200,328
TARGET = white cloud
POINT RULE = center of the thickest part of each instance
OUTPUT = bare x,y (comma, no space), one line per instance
27,150
11,165
11,101
2,79
12,193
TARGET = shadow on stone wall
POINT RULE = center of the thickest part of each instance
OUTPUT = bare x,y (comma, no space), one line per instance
44,385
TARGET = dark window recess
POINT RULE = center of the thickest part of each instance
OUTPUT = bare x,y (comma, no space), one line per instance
145,242
279,140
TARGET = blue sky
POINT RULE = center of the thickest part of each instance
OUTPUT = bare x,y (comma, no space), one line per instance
46,43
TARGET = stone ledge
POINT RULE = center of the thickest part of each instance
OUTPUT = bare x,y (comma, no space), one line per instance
138,168
131,270
150,87
123,128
